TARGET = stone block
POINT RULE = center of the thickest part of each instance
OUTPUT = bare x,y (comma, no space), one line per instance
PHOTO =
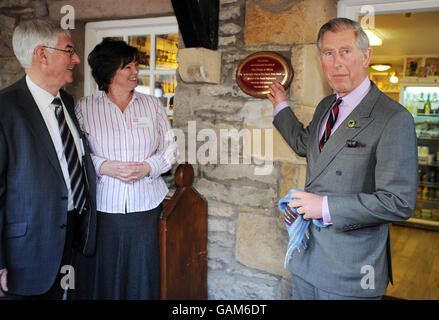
258,113
274,22
229,28
260,244
218,209
10,71
238,172
221,225
225,41
7,25
230,12
219,254
309,85
199,65
227,1
268,145
226,286
286,21
236,194
15,3
222,239
318,12
293,176
104,9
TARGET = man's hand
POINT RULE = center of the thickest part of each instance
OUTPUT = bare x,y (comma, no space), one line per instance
277,94
308,204
128,172
3,282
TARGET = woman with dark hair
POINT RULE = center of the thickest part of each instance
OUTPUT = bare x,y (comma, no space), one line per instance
132,145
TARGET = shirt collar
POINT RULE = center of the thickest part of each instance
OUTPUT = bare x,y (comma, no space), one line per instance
42,97
354,98
103,96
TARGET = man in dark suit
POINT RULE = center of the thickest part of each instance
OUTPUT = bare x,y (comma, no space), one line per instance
47,180
361,172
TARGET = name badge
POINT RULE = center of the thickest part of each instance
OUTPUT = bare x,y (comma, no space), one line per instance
139,122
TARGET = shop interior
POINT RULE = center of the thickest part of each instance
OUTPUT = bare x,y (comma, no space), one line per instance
405,66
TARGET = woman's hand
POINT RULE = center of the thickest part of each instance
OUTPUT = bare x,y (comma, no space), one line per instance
128,172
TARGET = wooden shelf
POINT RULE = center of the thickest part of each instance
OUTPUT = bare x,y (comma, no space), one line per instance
429,184
420,223
427,204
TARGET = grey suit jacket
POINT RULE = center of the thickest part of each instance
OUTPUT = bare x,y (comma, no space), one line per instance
33,194
367,187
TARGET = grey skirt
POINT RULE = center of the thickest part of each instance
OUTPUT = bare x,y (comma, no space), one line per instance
126,263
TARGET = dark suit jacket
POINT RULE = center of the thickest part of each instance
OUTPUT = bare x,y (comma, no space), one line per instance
33,194
367,187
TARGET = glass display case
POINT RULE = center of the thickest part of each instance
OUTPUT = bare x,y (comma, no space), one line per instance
421,99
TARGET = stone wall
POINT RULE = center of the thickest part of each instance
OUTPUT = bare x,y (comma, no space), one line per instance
13,11
247,236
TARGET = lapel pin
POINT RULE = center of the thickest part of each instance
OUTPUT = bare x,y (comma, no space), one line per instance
351,124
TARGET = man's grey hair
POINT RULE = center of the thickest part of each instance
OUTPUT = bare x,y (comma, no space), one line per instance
30,34
338,24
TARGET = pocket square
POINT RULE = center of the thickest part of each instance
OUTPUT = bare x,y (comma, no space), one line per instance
353,144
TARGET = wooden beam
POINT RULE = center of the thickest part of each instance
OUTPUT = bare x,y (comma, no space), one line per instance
198,22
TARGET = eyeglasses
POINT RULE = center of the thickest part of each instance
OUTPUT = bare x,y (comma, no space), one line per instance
71,51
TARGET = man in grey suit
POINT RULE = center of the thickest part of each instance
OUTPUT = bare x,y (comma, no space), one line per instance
47,179
361,172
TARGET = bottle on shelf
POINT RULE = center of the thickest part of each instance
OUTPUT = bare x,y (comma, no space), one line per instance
431,178
427,105
409,103
419,196
425,193
434,104
420,103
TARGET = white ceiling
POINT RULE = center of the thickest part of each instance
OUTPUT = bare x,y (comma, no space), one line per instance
406,34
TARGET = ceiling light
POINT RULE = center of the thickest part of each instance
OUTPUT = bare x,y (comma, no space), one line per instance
393,78
381,67
374,40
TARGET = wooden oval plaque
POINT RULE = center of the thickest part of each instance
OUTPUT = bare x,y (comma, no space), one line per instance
259,70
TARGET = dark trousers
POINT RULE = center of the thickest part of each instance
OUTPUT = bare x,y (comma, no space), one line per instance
56,292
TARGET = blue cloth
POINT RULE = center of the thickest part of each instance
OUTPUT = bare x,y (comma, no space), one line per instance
298,230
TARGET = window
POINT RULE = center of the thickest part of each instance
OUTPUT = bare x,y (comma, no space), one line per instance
156,39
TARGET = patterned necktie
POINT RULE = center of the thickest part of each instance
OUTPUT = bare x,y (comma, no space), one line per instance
330,123
75,170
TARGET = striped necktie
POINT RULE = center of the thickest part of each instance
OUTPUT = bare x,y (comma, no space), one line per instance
330,123
76,174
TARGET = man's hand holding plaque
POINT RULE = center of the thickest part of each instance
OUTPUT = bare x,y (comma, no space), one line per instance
277,94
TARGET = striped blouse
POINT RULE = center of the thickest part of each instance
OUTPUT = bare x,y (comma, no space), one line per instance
141,133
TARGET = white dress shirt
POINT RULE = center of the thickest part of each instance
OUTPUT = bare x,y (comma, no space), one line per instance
142,133
44,99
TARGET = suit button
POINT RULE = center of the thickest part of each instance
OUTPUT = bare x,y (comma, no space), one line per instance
63,226
338,172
